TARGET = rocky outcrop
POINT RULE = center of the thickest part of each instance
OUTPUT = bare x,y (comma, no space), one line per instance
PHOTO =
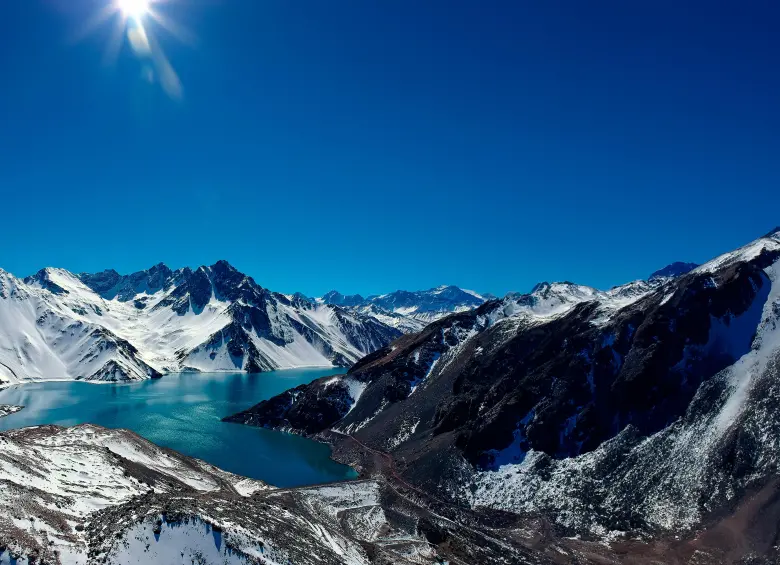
7,409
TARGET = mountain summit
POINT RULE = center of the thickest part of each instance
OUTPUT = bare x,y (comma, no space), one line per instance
674,270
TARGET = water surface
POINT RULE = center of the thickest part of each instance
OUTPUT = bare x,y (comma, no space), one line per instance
183,412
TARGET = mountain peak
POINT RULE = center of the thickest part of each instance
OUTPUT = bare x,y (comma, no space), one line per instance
223,264
43,279
336,298
675,269
775,233
540,286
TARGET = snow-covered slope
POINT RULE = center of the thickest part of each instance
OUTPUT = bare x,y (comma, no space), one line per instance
105,326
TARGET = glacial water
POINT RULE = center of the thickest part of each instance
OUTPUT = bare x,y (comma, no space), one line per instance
183,412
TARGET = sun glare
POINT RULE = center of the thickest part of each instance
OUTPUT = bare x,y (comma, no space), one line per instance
134,21
134,8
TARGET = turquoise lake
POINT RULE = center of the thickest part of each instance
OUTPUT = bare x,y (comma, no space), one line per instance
183,412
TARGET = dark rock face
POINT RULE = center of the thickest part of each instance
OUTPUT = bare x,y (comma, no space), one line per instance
308,408
674,270
585,384
102,282
110,284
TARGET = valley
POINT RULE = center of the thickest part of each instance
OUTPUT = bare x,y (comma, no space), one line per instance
565,425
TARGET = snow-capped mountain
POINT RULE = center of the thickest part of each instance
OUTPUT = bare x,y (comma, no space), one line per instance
106,326
651,409
409,311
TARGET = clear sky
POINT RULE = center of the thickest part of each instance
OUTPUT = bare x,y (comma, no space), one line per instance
373,145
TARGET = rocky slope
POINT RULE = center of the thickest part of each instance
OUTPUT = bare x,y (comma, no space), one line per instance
648,410
106,326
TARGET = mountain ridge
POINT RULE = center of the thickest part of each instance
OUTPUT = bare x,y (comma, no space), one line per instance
645,410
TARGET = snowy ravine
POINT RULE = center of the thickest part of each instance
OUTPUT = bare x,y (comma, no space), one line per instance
109,327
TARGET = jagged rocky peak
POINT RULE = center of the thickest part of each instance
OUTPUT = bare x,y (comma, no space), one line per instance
43,279
299,296
676,269
110,284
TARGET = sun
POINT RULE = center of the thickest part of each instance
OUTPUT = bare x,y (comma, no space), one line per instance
134,8
134,21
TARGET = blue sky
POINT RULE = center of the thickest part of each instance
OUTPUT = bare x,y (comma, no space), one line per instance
369,146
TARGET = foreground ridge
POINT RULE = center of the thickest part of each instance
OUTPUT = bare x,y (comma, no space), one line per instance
88,495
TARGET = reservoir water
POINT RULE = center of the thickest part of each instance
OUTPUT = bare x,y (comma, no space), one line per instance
183,412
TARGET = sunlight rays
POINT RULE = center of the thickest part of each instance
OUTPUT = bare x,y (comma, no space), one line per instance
133,21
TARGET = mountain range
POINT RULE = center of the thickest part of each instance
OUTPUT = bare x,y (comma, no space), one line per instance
565,425
409,310
643,418
111,327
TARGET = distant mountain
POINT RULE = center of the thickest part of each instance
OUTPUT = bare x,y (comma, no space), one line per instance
107,326
419,307
337,299
647,412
